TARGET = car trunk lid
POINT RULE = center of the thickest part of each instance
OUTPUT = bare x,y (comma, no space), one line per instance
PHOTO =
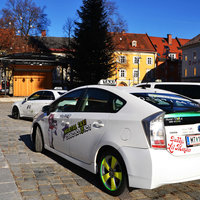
183,132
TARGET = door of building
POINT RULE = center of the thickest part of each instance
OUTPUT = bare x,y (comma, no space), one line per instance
25,83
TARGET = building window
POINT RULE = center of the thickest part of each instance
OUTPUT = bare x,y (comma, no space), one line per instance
186,58
135,73
149,61
122,59
136,60
185,72
172,55
194,55
134,43
122,73
195,71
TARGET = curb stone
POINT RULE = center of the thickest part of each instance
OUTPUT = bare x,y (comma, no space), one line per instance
11,99
8,188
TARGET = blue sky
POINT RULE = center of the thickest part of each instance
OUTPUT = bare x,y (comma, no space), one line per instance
156,18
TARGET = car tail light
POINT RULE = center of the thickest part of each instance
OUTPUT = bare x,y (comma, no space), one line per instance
155,130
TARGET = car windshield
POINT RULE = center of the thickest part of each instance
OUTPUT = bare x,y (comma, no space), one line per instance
169,102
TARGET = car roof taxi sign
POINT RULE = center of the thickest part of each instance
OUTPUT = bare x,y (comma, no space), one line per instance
107,82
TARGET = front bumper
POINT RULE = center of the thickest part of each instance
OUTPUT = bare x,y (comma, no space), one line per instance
149,168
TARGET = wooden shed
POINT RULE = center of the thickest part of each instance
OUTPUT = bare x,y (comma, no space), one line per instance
31,72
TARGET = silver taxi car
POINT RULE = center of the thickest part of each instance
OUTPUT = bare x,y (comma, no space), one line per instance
129,136
31,105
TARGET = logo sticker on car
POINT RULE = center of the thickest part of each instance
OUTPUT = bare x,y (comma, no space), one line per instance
176,144
76,129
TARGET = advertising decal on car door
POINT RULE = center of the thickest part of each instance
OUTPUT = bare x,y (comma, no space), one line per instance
76,129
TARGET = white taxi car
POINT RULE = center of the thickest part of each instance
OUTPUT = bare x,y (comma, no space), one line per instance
129,136
31,105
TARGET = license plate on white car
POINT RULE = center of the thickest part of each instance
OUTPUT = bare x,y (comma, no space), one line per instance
193,140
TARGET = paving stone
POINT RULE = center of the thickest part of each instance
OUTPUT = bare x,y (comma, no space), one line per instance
94,196
10,196
46,190
60,188
182,195
31,193
194,194
82,182
8,187
27,185
65,197
33,198
5,175
49,197
137,194
79,196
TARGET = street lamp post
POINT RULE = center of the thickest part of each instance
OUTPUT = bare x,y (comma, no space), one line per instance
138,59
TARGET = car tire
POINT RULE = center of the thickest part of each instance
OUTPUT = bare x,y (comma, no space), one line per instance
15,112
112,173
39,143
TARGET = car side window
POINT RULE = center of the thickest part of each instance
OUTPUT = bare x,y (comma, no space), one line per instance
191,91
68,102
36,96
48,95
99,100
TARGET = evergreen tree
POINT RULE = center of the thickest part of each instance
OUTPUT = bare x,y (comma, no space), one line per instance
93,44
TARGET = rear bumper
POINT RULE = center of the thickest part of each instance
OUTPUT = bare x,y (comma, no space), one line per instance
149,168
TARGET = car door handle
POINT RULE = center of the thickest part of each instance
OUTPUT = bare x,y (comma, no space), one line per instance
65,123
98,124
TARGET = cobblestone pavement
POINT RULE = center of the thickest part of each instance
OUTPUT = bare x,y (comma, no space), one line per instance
25,174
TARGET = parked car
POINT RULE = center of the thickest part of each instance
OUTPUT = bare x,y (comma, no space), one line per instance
31,105
189,89
129,136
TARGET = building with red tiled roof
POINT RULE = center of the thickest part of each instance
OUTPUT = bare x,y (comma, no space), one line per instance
123,42
135,58
32,63
169,57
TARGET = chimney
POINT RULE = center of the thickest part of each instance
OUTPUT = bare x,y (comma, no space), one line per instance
169,38
43,33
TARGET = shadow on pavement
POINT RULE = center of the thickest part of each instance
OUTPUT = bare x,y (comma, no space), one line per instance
88,176
84,174
27,141
91,178
22,118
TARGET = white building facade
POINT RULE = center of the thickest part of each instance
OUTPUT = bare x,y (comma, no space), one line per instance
191,60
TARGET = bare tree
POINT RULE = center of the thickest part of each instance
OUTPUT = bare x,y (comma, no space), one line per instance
68,27
24,16
115,21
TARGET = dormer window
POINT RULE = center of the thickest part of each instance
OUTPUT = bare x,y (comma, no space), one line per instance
134,43
172,56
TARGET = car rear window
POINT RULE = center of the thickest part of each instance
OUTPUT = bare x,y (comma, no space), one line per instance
191,91
169,102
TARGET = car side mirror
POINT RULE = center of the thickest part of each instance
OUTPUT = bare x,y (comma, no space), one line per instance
25,100
46,109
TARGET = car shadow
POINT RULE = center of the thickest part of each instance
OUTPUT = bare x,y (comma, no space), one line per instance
88,176
80,172
27,141
22,118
